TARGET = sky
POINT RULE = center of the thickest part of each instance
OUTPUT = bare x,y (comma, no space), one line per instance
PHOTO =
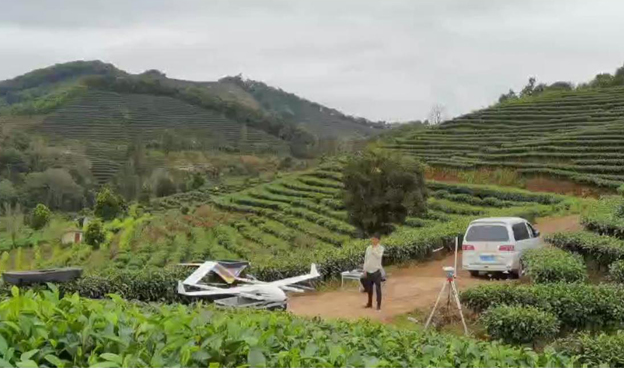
384,60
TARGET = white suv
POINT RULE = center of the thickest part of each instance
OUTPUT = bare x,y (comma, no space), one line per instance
495,244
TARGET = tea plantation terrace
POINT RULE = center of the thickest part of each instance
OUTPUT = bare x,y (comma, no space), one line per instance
575,135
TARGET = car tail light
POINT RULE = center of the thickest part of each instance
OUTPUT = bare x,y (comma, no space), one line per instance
468,247
506,248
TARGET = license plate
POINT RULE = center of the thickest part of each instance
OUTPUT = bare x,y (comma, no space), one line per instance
488,258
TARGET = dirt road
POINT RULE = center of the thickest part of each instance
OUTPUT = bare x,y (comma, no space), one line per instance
408,288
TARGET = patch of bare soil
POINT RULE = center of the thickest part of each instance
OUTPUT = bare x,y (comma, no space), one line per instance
407,288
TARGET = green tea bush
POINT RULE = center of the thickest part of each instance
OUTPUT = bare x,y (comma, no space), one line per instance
577,306
519,324
616,271
601,248
601,350
548,264
602,217
46,330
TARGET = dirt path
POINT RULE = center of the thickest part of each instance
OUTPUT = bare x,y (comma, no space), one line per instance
408,288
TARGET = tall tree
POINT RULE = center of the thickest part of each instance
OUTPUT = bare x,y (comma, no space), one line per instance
382,189
437,114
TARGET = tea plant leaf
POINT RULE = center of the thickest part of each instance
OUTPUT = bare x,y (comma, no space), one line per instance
27,364
112,358
255,358
54,360
3,345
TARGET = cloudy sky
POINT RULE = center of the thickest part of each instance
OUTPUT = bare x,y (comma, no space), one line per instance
384,59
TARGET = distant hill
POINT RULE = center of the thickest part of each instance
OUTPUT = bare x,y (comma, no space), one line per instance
321,120
33,92
107,110
575,134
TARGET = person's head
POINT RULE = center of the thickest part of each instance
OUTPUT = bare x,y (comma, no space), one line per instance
375,239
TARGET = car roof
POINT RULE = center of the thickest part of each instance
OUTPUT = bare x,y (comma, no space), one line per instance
500,220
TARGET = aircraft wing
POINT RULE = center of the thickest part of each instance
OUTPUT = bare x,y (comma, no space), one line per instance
204,269
293,280
212,291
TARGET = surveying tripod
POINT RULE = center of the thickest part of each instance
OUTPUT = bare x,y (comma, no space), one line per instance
452,293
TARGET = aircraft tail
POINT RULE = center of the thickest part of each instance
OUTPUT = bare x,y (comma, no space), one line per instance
314,271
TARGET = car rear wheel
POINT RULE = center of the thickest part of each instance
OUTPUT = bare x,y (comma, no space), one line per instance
474,273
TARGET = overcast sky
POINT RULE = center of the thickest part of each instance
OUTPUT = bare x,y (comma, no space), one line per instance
383,59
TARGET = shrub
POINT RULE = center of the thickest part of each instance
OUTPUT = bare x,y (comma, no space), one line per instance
165,186
108,205
78,332
553,265
95,234
577,306
594,351
520,324
40,217
601,248
616,271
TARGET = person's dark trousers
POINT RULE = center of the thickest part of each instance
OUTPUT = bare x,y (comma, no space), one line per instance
374,279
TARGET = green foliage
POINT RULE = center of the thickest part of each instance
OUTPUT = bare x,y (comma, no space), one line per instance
175,335
616,271
94,234
197,181
545,265
40,216
165,186
382,189
108,205
602,350
519,324
8,194
55,188
577,306
13,221
602,218
600,248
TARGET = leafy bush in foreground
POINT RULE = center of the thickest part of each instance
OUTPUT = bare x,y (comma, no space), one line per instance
520,324
46,330
603,249
577,306
545,265
594,351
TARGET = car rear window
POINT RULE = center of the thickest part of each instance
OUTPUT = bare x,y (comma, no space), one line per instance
487,233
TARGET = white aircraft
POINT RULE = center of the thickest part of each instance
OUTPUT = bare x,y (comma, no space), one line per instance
254,289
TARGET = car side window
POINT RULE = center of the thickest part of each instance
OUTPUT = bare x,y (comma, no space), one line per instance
532,230
520,231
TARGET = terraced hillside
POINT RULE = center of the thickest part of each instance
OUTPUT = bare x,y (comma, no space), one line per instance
300,219
284,225
576,135
108,121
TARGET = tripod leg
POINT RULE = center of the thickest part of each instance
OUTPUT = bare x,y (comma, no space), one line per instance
461,313
435,305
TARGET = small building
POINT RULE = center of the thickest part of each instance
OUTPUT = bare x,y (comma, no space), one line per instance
72,236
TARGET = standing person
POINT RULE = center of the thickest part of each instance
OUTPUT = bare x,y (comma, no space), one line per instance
373,270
